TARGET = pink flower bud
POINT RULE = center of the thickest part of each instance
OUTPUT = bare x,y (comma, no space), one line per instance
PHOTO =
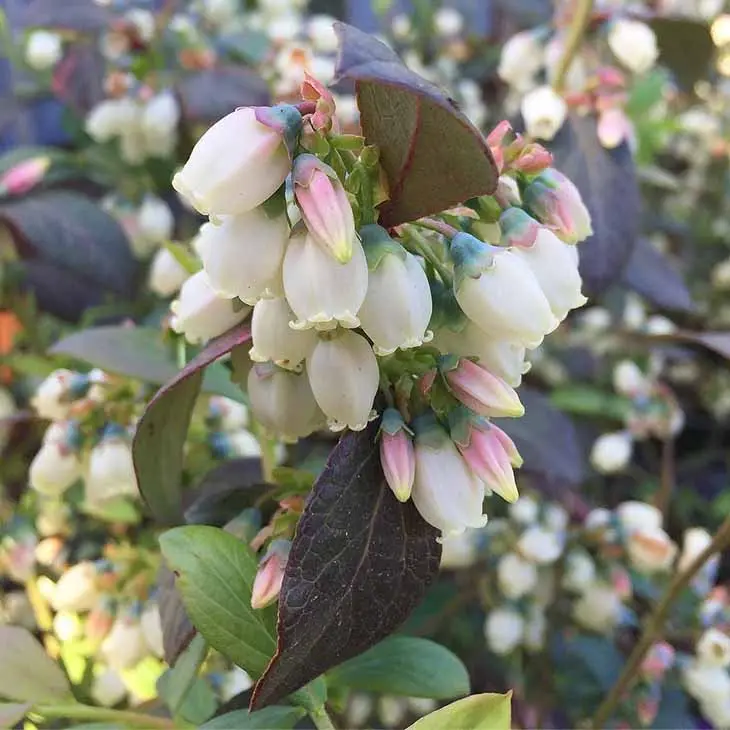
316,91
24,176
534,158
479,390
518,228
324,205
658,660
613,127
270,575
557,203
397,455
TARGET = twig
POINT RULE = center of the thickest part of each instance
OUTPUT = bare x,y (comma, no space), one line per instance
663,495
655,625
102,714
434,224
578,25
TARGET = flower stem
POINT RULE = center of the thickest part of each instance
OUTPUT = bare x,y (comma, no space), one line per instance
321,719
434,224
578,25
418,244
268,452
655,625
104,714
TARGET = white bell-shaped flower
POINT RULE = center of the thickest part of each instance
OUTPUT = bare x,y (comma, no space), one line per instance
445,491
505,299
200,314
152,629
516,576
108,688
111,469
235,166
54,469
124,646
159,121
154,226
167,274
397,306
321,291
611,452
522,57
543,112
273,338
283,402
110,117
633,43
242,254
344,376
76,590
501,357
43,50
555,267
51,399
504,629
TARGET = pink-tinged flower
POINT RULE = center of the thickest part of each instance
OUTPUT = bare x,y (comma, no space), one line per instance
490,454
613,127
497,135
479,390
557,203
325,207
532,159
397,455
611,77
99,621
621,582
24,176
657,661
647,709
270,575
314,90
518,228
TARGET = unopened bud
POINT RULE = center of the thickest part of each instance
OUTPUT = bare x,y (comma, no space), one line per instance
397,455
270,575
24,176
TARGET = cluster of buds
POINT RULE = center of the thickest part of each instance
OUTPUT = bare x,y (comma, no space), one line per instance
426,314
148,225
89,438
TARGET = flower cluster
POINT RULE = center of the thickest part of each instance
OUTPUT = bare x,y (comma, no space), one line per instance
427,314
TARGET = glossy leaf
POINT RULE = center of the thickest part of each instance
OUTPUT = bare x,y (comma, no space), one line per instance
27,673
547,440
140,353
478,712
607,182
215,573
359,563
177,628
651,274
432,154
160,437
405,665
279,717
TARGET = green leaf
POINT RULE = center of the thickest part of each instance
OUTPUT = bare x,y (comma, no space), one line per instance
27,673
270,718
405,665
585,400
215,573
198,703
184,256
175,685
139,353
478,712
11,713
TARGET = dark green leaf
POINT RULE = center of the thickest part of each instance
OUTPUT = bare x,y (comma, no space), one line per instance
175,685
197,705
651,274
478,712
215,573
685,47
405,665
270,718
359,563
547,440
607,182
432,154
137,352
160,437
27,673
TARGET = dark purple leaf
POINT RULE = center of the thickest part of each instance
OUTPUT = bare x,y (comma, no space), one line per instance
160,437
72,235
432,154
607,182
86,16
211,94
177,629
685,47
651,274
78,80
717,342
547,441
359,564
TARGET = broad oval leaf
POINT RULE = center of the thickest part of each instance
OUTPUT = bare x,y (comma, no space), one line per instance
177,628
607,182
405,665
27,673
279,717
160,437
359,563
651,274
140,353
215,573
478,712
547,440
75,254
433,156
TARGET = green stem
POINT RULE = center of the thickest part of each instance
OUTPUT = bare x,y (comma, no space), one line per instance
321,719
655,625
434,224
104,714
578,25
268,452
420,245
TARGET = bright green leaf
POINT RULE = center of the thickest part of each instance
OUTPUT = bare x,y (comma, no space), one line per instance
215,573
478,712
585,400
27,673
175,685
405,665
270,718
